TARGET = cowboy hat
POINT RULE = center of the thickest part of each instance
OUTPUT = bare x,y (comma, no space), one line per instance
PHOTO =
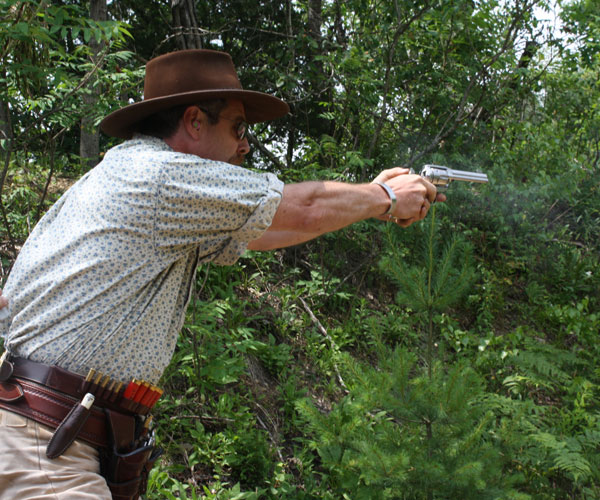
188,77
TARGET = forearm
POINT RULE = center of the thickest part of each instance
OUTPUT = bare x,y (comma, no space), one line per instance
321,207
310,209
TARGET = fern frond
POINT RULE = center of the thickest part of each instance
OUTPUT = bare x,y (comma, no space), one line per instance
566,455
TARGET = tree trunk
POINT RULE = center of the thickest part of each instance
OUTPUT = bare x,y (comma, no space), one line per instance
6,135
89,144
185,24
315,20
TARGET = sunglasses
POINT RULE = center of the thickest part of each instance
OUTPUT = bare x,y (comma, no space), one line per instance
240,127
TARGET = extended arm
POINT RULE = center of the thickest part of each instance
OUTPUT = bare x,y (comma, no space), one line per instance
309,209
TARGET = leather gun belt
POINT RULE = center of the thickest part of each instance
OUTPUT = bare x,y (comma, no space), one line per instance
50,407
46,394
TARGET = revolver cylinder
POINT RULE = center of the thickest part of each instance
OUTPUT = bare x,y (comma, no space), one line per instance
442,176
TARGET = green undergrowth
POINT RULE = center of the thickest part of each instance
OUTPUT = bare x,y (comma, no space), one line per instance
453,359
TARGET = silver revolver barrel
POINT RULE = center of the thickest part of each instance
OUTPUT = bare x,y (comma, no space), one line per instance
442,176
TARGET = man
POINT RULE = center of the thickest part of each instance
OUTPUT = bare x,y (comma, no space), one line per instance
99,291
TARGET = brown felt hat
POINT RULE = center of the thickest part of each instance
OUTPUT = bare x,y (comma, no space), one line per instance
188,77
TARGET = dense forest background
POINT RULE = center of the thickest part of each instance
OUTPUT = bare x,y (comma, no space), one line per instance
455,359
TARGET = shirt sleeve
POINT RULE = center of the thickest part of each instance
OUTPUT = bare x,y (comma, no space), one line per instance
258,222
214,206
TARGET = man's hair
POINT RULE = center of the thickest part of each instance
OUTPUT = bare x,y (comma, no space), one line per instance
163,124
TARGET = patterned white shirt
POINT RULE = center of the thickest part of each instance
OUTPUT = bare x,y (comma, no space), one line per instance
104,279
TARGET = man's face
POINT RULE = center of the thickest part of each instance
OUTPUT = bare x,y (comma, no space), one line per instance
220,142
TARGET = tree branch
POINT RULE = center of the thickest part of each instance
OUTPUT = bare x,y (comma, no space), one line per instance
255,142
322,329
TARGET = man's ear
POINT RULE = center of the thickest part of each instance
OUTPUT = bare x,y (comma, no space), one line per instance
193,121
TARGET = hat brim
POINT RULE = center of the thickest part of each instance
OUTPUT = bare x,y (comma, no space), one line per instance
259,107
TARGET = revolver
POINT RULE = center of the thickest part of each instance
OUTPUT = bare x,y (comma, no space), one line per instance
442,176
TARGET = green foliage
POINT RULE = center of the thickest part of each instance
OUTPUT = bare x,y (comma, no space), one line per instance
400,430
47,64
301,374
438,278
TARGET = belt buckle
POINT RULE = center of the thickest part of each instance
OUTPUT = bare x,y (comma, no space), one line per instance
6,367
